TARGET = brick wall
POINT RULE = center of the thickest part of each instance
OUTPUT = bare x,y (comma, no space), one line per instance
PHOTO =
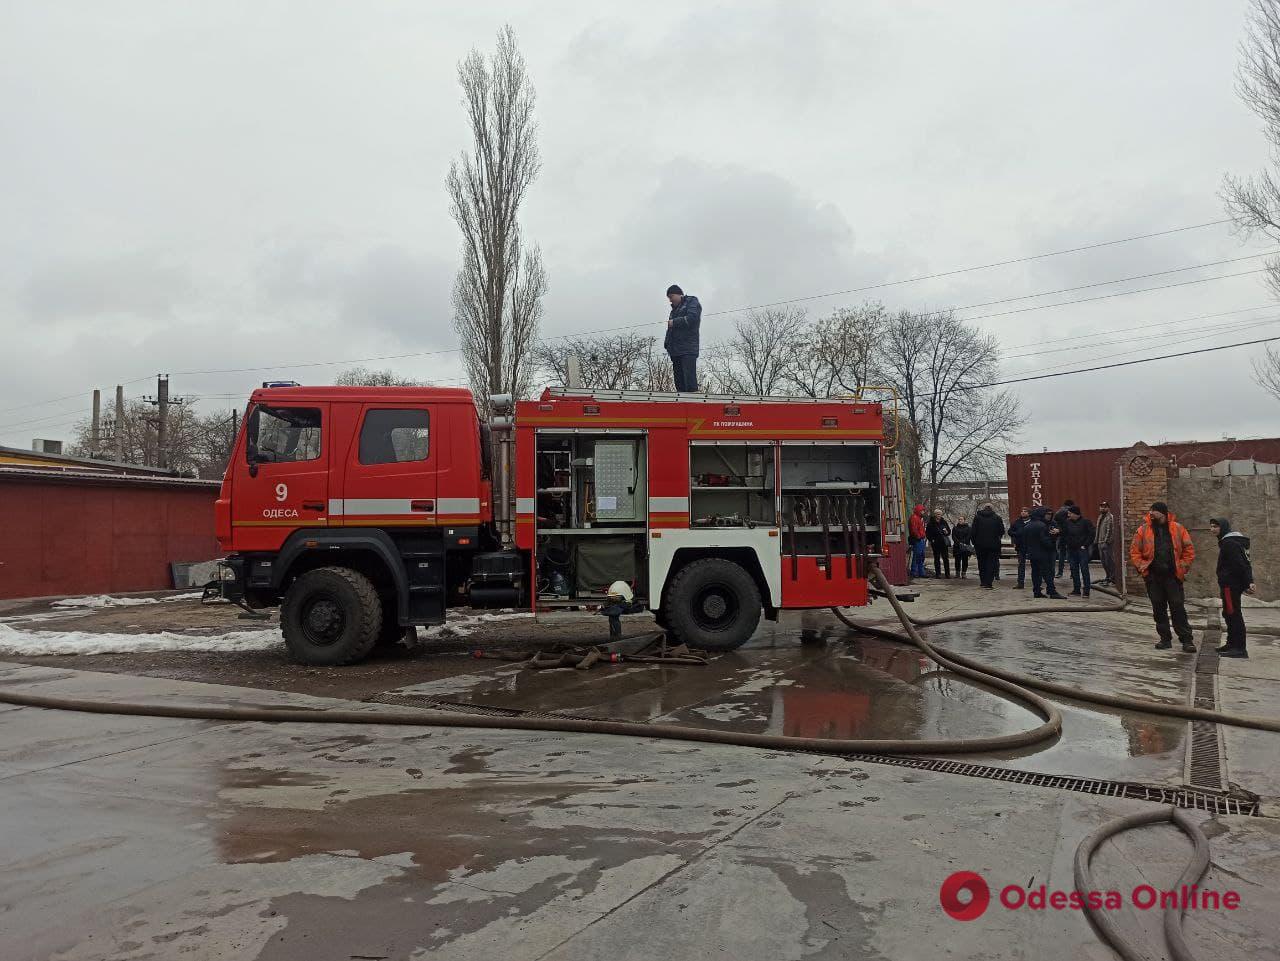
1141,479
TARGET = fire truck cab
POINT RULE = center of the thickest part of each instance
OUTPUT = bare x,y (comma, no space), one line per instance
364,511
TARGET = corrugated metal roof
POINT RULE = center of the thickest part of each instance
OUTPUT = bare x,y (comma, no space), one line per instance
40,460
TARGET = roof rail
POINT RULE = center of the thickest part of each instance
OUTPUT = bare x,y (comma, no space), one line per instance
662,396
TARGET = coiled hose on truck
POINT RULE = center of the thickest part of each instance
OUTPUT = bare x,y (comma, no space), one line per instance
1020,687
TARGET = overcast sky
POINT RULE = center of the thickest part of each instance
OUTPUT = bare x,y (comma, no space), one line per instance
195,186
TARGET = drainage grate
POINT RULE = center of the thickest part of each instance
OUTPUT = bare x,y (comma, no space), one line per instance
1205,765
1193,798
1184,797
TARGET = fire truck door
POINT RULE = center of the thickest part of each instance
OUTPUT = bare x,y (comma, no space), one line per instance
282,481
390,481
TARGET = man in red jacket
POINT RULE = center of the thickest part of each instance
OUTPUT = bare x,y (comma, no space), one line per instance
916,538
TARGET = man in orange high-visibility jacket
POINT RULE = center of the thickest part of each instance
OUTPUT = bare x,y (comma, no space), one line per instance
1162,552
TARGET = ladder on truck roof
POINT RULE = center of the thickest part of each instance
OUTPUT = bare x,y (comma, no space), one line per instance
662,396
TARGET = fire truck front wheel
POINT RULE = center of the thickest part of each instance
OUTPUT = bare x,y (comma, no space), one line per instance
713,604
331,616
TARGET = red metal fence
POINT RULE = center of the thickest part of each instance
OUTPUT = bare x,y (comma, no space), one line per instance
65,533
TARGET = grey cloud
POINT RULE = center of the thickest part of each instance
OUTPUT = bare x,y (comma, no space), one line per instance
140,285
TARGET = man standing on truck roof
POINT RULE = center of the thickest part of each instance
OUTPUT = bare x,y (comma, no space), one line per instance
681,342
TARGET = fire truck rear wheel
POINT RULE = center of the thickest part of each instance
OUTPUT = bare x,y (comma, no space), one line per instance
331,616
713,604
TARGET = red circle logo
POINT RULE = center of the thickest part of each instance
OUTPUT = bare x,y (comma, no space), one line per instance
958,883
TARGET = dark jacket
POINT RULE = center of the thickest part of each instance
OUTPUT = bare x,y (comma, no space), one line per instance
1036,539
988,530
1015,532
1079,533
937,531
962,539
1060,520
682,335
1234,567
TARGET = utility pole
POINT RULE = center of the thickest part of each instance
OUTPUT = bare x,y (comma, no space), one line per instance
162,430
162,401
118,427
95,428
235,432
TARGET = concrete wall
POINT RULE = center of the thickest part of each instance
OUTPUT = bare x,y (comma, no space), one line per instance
1251,500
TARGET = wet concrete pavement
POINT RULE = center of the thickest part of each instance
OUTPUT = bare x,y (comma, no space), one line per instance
150,838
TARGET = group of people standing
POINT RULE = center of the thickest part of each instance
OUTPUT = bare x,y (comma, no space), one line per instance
1161,552
982,538
1042,537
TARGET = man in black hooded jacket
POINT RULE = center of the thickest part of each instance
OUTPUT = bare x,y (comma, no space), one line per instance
1039,543
1235,578
988,532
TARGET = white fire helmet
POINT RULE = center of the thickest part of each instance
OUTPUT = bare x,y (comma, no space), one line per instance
623,590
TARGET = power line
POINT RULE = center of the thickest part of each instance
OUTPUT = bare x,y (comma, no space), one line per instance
1165,323
853,290
1084,344
1119,293
933,313
964,270
1130,351
1126,363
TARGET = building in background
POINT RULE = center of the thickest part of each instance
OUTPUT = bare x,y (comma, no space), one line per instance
71,525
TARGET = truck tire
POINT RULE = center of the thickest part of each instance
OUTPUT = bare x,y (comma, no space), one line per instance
712,604
330,616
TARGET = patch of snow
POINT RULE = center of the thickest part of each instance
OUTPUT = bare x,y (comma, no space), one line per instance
104,600
37,643
462,625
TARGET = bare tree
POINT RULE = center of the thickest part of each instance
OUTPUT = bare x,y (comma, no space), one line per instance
498,291
1266,371
837,355
941,367
366,377
899,360
609,361
195,443
1254,202
758,358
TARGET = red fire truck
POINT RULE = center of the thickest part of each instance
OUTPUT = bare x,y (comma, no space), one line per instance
362,511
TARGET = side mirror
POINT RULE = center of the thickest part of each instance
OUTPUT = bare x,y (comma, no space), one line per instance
253,468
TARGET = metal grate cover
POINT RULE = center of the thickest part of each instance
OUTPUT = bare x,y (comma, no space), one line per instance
1192,798
1206,754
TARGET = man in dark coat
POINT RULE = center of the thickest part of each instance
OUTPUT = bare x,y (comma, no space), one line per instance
1015,535
1078,533
939,533
681,342
988,532
1039,543
1235,579
1060,522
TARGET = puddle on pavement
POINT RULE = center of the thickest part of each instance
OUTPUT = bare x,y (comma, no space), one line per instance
810,676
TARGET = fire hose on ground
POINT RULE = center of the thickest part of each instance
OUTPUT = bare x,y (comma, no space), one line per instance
1019,687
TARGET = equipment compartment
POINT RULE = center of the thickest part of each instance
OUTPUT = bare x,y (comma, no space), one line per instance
732,484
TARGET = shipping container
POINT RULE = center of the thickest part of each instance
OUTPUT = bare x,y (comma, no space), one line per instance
1086,476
